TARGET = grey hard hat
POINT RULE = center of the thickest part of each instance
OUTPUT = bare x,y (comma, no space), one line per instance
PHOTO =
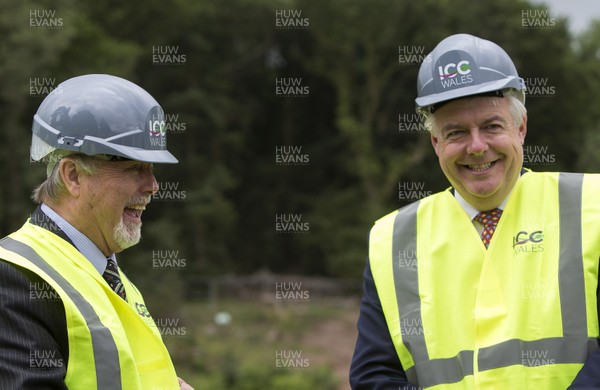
99,114
464,65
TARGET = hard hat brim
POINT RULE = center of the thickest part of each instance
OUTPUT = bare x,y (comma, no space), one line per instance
138,154
430,100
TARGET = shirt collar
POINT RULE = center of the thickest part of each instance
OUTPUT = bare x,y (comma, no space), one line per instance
472,211
83,244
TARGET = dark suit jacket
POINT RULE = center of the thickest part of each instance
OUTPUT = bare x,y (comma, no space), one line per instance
376,366
34,348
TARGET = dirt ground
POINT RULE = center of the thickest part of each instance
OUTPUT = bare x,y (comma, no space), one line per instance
335,339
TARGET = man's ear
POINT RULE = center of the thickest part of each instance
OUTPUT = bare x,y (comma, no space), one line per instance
434,142
523,130
70,176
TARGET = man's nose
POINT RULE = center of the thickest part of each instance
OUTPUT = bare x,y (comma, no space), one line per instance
477,143
150,185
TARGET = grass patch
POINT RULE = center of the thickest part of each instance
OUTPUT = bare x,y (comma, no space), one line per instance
262,347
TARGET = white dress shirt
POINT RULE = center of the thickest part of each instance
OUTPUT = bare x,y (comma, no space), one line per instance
83,244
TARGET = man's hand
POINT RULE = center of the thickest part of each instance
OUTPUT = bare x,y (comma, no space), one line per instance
183,385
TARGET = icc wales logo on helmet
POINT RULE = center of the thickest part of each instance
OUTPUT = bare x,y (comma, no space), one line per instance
455,69
157,128
455,74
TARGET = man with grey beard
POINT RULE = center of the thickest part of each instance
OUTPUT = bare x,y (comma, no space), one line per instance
70,318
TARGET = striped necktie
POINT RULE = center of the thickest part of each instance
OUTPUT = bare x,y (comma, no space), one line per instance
111,275
489,219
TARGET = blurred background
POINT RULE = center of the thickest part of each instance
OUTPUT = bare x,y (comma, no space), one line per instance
294,124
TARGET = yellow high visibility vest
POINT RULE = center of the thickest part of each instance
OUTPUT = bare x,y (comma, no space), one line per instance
521,315
113,344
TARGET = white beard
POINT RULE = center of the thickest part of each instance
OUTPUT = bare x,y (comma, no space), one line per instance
127,235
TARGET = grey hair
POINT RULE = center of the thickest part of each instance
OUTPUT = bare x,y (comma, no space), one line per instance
53,187
515,105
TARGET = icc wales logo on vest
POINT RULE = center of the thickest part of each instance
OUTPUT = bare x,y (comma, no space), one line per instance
528,242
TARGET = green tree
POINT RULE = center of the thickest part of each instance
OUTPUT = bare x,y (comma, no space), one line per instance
588,83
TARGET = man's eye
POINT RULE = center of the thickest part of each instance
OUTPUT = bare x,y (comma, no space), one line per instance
454,133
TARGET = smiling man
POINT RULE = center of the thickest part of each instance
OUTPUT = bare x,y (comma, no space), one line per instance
479,145
69,317
491,284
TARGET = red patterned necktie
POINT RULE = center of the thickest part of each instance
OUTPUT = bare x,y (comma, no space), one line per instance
111,275
489,219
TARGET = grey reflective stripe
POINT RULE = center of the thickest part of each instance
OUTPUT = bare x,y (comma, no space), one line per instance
443,371
406,282
574,347
557,350
570,275
106,356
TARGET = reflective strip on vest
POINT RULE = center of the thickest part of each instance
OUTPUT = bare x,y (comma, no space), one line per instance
570,274
566,349
106,356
